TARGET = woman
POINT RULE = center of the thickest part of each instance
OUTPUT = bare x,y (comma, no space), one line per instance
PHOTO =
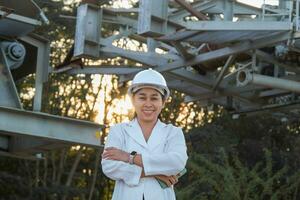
140,152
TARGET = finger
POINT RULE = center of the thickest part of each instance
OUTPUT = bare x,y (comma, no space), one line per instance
110,148
173,179
104,156
109,151
169,183
105,153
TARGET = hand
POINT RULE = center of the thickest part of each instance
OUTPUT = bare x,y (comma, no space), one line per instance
169,180
112,153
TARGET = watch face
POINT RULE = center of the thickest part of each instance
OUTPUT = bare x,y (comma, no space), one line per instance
133,153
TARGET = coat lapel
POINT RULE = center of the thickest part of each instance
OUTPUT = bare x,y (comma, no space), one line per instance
158,135
134,130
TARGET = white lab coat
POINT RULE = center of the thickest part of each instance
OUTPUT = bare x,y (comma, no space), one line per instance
164,153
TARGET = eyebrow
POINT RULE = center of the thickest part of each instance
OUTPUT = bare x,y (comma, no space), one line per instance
144,94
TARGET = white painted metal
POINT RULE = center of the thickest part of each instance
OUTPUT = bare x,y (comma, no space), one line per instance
152,17
87,34
223,71
239,26
103,69
246,34
49,127
226,51
9,95
42,67
246,77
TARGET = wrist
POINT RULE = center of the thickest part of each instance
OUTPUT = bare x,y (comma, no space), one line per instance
131,157
128,158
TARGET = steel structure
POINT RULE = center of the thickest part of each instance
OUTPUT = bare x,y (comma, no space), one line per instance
208,46
24,133
215,51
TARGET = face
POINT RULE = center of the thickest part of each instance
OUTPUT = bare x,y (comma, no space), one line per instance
148,104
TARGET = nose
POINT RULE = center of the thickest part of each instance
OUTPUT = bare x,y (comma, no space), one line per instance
148,103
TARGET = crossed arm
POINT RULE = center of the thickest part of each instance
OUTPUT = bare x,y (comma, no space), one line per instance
163,166
112,153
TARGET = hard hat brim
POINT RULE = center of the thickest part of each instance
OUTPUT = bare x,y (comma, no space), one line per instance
162,90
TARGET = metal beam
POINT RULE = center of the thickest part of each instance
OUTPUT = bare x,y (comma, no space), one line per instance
226,51
239,26
273,92
179,14
9,95
190,9
207,83
268,108
48,127
153,18
42,67
182,50
206,102
228,9
223,71
100,69
88,29
215,7
271,59
184,86
152,59
225,101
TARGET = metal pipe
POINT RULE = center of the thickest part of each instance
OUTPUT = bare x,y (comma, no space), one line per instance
245,77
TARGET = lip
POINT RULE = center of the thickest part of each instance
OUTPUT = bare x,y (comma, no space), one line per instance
148,112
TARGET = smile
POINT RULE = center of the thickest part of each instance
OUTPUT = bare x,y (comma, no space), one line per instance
148,111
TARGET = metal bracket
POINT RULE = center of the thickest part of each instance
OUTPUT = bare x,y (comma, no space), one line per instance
88,29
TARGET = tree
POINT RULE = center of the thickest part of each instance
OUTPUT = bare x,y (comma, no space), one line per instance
250,158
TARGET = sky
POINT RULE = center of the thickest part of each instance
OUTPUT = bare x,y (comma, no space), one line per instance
258,3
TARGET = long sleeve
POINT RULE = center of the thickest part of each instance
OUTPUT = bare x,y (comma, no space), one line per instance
172,161
119,170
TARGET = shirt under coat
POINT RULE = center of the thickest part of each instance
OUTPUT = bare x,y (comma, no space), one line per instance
164,153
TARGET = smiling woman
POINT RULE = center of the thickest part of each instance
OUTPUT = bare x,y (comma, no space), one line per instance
139,154
148,103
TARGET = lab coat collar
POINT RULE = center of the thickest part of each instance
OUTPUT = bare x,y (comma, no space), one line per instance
157,136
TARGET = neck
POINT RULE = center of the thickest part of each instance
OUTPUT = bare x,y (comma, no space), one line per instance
146,124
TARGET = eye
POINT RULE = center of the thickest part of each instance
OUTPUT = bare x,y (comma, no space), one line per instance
154,98
142,98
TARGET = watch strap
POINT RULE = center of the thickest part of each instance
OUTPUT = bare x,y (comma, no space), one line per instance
131,157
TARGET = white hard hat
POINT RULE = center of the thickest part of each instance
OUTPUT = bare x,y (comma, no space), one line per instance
149,79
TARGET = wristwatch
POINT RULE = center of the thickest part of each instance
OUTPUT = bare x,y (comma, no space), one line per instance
131,157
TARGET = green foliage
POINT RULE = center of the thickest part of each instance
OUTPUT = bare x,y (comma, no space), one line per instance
228,178
253,157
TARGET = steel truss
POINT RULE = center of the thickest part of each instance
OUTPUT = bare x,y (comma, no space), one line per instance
206,44
26,133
